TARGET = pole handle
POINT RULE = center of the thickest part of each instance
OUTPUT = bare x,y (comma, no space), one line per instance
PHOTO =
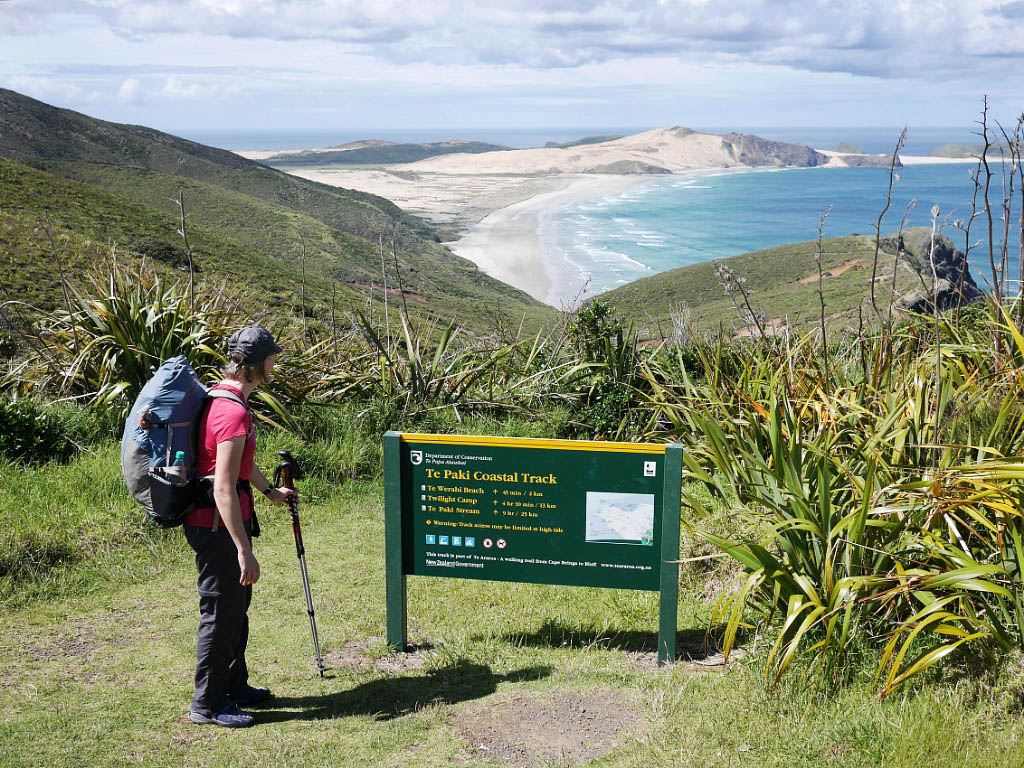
287,472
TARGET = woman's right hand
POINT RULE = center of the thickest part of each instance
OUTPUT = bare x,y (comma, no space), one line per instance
250,568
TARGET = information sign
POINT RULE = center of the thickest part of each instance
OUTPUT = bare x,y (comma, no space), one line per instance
582,513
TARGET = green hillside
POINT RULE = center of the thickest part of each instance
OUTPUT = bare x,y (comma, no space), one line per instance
106,183
382,154
582,142
90,224
783,285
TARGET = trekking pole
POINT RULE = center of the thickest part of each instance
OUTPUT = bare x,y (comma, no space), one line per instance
285,475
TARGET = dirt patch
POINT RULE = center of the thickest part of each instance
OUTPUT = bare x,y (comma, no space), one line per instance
191,734
74,642
691,651
394,291
536,729
366,654
774,327
832,272
78,639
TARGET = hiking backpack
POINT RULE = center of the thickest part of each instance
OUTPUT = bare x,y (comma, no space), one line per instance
164,421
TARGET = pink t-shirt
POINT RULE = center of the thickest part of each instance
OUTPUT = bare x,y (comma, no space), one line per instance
223,420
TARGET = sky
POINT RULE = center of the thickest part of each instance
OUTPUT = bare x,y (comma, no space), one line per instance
450,64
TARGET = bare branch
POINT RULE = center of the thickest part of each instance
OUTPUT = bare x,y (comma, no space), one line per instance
997,277
888,201
733,285
938,336
188,251
818,257
63,279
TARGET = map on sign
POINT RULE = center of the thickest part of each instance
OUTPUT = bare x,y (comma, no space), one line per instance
620,518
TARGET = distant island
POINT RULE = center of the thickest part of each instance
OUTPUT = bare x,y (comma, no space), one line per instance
969,151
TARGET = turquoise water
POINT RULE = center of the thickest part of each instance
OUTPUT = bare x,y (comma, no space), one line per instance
675,221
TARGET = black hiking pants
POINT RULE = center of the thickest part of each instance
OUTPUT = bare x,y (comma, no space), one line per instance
223,619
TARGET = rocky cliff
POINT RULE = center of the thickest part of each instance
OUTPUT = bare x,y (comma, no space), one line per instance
756,152
956,286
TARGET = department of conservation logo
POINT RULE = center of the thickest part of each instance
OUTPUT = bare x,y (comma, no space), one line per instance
416,457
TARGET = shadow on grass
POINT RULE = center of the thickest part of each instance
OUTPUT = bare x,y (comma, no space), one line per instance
690,643
393,697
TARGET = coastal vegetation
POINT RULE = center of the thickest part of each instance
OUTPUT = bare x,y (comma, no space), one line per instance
866,478
582,142
851,525
783,282
380,153
968,150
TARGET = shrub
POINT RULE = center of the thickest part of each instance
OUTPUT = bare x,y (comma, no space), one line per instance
165,252
31,433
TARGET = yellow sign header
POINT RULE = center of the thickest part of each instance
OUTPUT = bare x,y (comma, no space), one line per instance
533,442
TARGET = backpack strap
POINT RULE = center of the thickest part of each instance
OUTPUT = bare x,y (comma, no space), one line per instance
215,394
218,394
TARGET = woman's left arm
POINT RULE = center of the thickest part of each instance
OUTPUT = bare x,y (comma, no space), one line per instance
276,495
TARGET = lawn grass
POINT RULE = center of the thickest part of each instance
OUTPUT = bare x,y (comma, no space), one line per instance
96,656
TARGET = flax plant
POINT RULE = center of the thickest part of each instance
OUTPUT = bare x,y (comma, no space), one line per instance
120,327
853,532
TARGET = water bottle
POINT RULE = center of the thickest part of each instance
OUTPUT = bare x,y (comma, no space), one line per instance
177,473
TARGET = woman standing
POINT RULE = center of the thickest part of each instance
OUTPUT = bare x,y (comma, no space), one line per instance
221,528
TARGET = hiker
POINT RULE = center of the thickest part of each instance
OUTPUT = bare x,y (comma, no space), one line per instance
220,530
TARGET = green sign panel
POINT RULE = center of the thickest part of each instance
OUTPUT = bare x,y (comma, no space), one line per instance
540,511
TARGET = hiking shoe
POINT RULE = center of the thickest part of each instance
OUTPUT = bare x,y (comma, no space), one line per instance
232,717
249,696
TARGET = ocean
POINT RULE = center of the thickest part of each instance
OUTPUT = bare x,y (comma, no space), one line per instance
674,221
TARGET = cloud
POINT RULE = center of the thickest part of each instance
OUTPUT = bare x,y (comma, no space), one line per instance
129,91
177,89
51,89
883,38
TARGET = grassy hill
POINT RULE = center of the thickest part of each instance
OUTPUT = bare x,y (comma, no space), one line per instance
107,183
381,154
783,283
90,223
584,141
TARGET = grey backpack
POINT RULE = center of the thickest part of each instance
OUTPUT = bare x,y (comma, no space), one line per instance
163,422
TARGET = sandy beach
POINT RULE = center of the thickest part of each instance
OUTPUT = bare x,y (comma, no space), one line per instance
836,159
929,160
495,216
505,244
455,201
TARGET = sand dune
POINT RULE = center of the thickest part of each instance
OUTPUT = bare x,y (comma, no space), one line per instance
665,150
